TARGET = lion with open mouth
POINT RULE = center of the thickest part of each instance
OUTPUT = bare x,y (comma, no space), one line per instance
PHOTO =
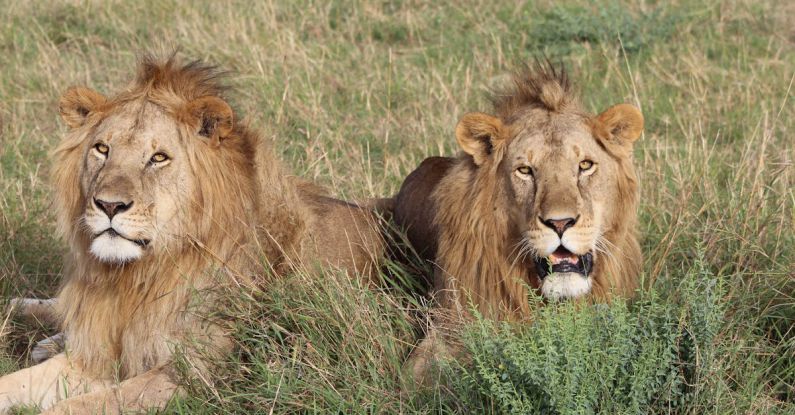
543,197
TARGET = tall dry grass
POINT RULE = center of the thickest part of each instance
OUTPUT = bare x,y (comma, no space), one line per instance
356,93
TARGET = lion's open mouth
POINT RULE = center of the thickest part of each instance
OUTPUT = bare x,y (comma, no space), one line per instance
113,234
562,260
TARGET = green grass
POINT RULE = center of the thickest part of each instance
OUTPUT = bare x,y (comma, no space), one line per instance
355,94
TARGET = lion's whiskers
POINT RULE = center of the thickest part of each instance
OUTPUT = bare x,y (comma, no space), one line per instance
519,245
525,248
607,248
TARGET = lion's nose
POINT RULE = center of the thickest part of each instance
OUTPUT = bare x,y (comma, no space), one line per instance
559,225
111,208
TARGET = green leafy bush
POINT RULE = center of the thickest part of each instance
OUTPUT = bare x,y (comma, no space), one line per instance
653,355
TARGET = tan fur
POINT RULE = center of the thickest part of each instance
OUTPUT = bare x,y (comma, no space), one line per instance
484,217
123,321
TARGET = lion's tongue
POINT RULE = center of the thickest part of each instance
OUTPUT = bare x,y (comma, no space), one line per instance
561,255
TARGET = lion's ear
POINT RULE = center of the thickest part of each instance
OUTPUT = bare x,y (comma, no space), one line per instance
212,117
623,122
477,134
77,103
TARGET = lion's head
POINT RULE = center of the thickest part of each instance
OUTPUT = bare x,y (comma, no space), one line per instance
137,174
551,188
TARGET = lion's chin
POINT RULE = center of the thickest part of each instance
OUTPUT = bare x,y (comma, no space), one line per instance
115,249
565,285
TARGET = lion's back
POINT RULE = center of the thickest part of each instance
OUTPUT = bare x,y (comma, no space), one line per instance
341,234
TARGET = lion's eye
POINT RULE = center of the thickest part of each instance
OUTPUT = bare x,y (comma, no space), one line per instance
586,165
102,148
158,158
525,170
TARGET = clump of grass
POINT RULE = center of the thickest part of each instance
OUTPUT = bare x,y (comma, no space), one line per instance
311,343
561,28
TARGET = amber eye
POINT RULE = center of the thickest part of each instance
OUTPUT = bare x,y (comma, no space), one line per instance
158,158
101,148
586,165
525,170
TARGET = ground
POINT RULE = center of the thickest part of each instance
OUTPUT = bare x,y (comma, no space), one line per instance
355,94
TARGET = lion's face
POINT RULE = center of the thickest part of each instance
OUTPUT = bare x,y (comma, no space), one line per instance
136,181
562,182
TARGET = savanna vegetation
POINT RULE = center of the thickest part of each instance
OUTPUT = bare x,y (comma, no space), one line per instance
355,94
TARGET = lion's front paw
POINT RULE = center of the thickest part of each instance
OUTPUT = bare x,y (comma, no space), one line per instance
47,348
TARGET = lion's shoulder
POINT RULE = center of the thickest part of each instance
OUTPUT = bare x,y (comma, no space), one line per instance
415,209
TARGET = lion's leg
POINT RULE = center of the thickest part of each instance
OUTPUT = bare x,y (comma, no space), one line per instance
42,310
46,383
152,389
425,357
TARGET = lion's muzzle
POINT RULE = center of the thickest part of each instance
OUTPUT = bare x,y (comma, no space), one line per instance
112,238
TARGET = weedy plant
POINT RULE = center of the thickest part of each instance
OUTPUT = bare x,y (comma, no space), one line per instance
655,354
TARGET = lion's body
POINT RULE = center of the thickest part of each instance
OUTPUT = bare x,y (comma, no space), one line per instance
349,247
541,181
231,208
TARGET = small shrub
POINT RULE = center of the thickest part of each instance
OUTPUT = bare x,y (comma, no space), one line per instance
649,356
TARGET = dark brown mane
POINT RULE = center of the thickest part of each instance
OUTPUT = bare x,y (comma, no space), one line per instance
541,85
188,81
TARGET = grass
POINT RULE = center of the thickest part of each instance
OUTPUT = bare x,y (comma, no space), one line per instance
355,94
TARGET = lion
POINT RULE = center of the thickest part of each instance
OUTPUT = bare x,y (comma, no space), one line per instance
542,198
163,198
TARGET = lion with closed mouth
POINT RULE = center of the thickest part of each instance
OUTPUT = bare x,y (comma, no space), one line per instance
163,199
543,198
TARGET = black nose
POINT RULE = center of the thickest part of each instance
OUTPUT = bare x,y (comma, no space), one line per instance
559,225
111,208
